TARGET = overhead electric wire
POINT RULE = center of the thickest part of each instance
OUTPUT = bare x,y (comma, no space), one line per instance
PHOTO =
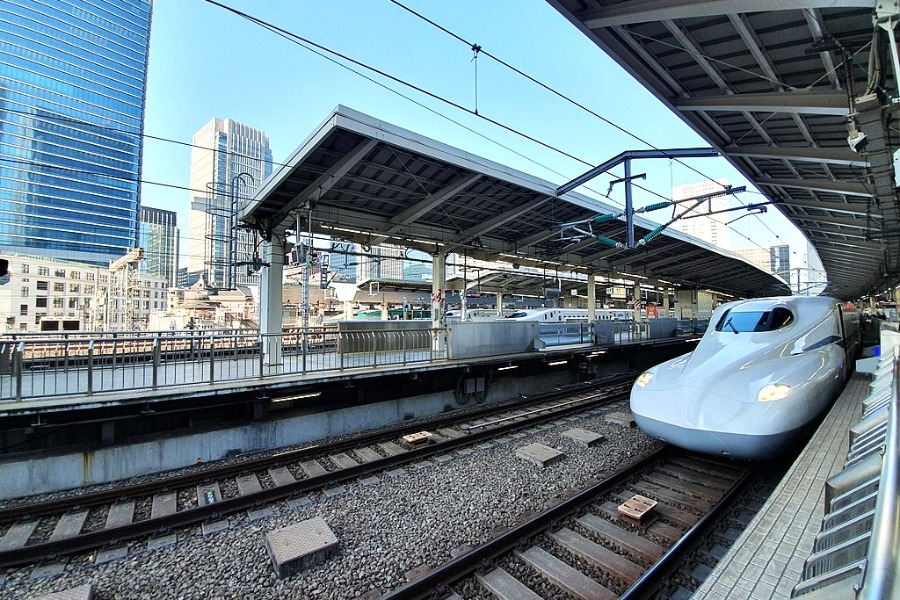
574,102
301,41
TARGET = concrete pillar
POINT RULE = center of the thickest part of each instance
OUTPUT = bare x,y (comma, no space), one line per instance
384,310
500,304
270,291
637,301
665,302
438,284
592,297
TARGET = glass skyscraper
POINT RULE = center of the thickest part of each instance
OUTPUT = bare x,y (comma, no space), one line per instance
159,239
72,86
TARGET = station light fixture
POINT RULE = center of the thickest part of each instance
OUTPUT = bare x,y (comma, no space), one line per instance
297,397
556,363
508,367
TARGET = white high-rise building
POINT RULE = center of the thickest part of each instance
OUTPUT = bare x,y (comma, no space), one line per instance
710,229
229,161
382,262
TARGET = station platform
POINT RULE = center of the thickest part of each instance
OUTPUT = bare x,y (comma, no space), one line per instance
766,561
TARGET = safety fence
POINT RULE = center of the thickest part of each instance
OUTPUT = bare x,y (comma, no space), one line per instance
42,366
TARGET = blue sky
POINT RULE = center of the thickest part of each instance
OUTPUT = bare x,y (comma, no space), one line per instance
206,62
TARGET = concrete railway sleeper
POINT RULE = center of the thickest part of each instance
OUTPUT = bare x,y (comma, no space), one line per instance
582,547
286,475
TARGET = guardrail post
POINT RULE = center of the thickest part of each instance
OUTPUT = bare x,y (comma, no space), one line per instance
90,368
341,343
17,369
212,358
156,353
261,356
303,348
403,345
375,348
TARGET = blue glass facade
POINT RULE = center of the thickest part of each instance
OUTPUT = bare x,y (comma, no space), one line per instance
72,87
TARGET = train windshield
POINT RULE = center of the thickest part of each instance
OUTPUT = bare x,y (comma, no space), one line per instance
755,321
517,315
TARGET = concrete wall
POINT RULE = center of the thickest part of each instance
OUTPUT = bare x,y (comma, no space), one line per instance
35,475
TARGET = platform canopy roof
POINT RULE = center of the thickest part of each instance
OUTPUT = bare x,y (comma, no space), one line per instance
785,90
369,182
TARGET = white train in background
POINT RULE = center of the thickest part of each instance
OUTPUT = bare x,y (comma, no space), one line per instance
758,380
570,315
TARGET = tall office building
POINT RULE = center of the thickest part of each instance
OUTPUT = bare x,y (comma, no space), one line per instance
343,261
774,259
710,229
380,262
229,161
72,85
159,239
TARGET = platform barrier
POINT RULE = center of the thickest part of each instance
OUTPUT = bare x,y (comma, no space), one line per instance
37,367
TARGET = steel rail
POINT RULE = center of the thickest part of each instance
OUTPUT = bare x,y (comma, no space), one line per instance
101,538
89,499
646,586
463,565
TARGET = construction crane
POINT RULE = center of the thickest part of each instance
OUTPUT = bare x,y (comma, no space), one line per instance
125,283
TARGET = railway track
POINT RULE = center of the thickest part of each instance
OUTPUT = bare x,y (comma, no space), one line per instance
106,519
585,548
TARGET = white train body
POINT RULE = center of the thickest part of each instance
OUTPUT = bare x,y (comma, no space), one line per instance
761,374
570,315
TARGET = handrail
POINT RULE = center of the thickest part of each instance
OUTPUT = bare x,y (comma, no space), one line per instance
880,579
53,366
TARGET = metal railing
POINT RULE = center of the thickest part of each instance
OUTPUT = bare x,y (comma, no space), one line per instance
880,579
857,553
563,334
42,366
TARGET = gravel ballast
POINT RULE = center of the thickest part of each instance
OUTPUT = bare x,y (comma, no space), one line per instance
384,529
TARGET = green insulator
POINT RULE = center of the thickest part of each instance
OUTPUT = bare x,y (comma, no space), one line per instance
608,241
657,206
602,218
653,234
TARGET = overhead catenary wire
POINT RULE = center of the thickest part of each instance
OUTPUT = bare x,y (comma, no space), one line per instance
585,108
395,79
305,42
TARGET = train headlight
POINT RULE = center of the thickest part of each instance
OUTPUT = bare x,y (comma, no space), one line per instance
772,392
643,379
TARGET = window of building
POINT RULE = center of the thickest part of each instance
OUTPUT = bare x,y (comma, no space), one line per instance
59,286
43,271
23,310
88,289
75,275
41,302
25,268
23,326
43,285
73,302
74,288
104,278
89,276
57,302
37,319
60,272
25,291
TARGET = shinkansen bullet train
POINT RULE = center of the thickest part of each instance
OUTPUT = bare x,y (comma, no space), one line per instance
760,376
563,315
